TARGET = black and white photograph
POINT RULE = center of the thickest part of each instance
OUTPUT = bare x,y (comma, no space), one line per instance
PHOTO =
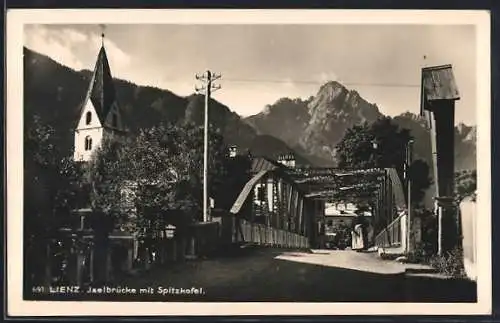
173,161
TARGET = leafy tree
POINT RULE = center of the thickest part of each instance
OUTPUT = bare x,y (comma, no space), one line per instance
356,150
419,174
105,178
236,173
465,184
163,166
151,180
51,183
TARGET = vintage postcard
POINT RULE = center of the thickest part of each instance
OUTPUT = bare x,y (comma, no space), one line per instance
248,162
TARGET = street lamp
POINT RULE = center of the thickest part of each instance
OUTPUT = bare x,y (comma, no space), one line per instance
375,146
408,161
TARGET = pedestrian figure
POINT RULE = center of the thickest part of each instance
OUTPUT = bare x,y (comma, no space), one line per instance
357,237
359,233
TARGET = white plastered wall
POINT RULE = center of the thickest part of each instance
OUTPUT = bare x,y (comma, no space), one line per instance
93,130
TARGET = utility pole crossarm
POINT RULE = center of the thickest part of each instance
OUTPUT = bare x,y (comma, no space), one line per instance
202,77
215,77
199,89
215,87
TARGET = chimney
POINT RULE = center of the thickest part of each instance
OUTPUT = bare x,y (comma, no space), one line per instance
281,159
291,160
233,151
287,159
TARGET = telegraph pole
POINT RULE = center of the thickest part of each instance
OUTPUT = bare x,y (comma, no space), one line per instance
208,87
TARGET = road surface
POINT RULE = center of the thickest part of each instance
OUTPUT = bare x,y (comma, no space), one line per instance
277,275
317,276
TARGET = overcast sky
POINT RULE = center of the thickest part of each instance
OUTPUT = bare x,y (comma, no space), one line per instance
262,63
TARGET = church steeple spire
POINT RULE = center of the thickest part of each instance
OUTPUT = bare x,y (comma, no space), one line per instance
100,116
101,90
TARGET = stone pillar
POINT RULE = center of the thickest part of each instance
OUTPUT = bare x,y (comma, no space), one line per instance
80,257
135,248
191,246
91,263
130,257
109,265
415,233
173,248
147,258
181,246
47,277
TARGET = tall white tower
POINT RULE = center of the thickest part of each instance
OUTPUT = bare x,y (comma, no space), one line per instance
100,116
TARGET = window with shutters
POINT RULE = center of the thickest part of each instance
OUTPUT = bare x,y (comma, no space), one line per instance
88,143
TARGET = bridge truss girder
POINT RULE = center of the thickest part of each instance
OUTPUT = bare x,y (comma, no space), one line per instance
330,184
379,188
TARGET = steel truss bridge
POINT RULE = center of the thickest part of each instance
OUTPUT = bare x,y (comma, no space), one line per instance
279,206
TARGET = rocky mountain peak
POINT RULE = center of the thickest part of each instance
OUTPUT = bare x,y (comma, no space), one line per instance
331,85
463,128
471,136
412,117
267,110
467,133
329,92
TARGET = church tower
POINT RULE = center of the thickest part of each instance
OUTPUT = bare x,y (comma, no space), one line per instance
100,117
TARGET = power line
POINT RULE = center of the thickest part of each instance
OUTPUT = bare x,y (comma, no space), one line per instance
321,83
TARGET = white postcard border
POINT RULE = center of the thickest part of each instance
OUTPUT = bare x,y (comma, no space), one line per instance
14,143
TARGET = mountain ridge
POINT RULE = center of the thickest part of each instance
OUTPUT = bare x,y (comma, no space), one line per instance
308,127
317,124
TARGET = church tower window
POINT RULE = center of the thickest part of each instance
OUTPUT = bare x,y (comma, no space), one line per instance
88,143
88,118
115,120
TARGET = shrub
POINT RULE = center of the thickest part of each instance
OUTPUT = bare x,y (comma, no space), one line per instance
422,253
450,264
428,245
465,184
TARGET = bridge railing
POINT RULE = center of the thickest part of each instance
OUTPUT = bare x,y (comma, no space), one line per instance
394,235
260,234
